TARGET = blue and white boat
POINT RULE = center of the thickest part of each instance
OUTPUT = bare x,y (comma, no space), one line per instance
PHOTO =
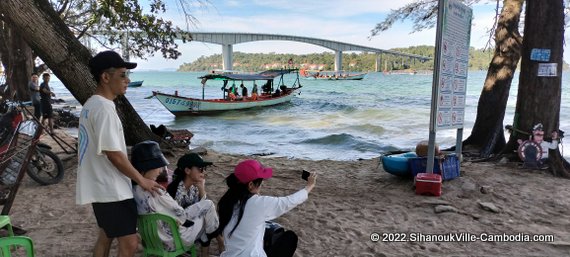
180,105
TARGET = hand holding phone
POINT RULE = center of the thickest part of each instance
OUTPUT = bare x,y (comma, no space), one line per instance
305,175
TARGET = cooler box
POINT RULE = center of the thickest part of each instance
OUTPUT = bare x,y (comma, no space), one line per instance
449,164
428,184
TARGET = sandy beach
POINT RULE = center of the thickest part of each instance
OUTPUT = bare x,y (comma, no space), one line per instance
352,200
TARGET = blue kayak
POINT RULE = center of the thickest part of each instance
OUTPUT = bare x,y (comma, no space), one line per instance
397,164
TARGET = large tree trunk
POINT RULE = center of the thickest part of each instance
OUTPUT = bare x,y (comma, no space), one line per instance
49,37
487,134
539,97
17,56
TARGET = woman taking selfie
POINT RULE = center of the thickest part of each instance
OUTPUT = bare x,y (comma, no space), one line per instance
243,212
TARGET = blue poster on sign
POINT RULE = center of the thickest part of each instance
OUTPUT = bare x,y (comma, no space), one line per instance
540,55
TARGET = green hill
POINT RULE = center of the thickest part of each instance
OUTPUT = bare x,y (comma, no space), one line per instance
479,60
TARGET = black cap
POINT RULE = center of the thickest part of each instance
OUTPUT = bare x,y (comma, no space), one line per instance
191,160
108,59
146,156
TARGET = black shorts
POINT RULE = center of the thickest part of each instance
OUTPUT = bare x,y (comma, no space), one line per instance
47,110
117,219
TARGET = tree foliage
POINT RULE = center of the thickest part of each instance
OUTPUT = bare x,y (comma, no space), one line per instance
423,13
126,22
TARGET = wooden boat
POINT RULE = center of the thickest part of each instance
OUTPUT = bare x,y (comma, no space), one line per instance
179,105
332,75
397,164
136,83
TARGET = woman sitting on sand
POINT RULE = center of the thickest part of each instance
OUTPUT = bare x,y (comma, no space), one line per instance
196,221
188,187
243,212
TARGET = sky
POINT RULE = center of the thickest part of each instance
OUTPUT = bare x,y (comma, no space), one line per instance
348,21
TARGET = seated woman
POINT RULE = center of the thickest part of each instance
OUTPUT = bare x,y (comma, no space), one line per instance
243,212
188,187
196,221
253,97
232,96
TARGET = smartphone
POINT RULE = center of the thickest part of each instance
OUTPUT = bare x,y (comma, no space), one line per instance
305,175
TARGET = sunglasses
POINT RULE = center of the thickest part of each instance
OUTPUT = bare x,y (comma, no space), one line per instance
201,169
123,75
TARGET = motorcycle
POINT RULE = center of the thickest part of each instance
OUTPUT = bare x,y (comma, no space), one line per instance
45,167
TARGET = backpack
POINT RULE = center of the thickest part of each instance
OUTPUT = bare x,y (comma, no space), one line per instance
273,231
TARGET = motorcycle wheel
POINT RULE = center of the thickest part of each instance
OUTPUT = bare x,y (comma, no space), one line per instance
45,167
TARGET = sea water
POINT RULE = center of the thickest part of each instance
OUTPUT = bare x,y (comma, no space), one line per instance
335,120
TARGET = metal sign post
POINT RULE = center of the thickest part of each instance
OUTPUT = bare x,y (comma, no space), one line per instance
450,73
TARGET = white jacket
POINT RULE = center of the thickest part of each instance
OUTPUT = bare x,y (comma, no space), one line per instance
247,238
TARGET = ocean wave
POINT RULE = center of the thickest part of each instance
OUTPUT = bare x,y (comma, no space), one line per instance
367,128
343,141
328,106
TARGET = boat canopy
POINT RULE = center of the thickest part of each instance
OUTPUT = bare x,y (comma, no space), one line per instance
265,75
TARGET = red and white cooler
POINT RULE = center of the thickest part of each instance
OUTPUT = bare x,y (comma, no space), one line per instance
428,184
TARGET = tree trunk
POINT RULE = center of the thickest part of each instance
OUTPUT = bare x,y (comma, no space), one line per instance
50,38
487,134
539,96
17,56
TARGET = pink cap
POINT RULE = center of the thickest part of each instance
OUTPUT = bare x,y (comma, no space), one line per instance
249,170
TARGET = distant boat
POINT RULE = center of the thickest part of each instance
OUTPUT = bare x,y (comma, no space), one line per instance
179,105
331,75
401,72
136,83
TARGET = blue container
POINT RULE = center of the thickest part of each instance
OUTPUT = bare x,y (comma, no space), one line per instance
449,164
397,164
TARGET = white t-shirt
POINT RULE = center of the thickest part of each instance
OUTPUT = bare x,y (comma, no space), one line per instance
100,129
247,238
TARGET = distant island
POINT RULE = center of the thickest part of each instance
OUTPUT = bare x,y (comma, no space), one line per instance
479,60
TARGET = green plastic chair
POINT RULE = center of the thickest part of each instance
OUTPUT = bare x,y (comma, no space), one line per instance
6,243
5,222
148,229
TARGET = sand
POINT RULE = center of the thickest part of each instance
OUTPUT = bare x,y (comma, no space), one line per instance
352,200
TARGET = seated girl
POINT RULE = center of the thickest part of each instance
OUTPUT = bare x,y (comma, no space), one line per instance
196,221
188,187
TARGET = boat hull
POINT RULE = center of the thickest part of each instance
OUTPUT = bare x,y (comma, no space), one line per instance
179,105
348,77
135,83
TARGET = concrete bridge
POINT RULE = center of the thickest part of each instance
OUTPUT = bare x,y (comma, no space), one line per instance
228,39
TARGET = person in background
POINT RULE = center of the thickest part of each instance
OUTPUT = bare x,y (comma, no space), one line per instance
45,95
188,187
197,220
243,91
254,93
233,89
104,171
277,93
34,88
243,212
266,88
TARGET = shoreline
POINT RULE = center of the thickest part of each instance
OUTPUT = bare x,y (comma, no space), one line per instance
351,201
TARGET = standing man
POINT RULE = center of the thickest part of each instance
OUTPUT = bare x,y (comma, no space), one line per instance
45,95
104,172
34,88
